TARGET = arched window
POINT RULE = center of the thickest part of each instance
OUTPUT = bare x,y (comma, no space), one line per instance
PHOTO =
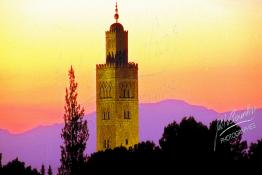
105,90
126,90
106,114
102,90
110,90
124,93
127,114
106,143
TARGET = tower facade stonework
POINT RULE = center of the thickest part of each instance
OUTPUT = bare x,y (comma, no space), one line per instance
117,93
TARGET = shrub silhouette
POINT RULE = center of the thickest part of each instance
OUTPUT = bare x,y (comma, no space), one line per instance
232,148
255,151
186,141
49,171
17,167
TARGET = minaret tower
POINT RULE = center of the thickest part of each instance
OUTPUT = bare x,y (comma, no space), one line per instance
117,92
117,42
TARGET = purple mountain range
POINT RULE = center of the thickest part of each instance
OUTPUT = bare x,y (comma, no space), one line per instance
41,145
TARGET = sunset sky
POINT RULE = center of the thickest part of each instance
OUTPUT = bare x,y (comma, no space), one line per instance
205,52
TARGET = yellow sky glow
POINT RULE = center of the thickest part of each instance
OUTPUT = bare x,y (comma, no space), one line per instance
206,52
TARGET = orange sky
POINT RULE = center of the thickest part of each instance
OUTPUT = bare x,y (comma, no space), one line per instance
206,52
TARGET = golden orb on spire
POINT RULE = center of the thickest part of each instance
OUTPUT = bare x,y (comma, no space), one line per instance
116,15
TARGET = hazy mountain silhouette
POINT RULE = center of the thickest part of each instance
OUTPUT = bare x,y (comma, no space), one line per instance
41,145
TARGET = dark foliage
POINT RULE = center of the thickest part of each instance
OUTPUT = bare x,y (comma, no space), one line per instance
49,172
255,151
17,167
42,171
187,143
227,141
121,160
74,133
0,160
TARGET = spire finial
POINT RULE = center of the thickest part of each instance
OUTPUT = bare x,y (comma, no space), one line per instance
116,15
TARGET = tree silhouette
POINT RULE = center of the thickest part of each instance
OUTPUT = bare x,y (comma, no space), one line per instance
187,140
18,167
169,138
0,163
0,160
255,151
227,141
74,133
50,172
146,156
143,156
42,170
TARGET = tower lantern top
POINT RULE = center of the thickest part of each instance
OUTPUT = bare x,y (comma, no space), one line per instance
116,14
116,27
117,42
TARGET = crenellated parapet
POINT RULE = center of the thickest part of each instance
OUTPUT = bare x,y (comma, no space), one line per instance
116,65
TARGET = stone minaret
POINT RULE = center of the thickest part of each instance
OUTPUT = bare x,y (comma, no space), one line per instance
116,93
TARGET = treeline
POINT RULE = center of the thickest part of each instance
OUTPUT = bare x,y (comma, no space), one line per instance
17,167
189,142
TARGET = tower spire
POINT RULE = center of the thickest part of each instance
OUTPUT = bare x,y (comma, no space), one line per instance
116,14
